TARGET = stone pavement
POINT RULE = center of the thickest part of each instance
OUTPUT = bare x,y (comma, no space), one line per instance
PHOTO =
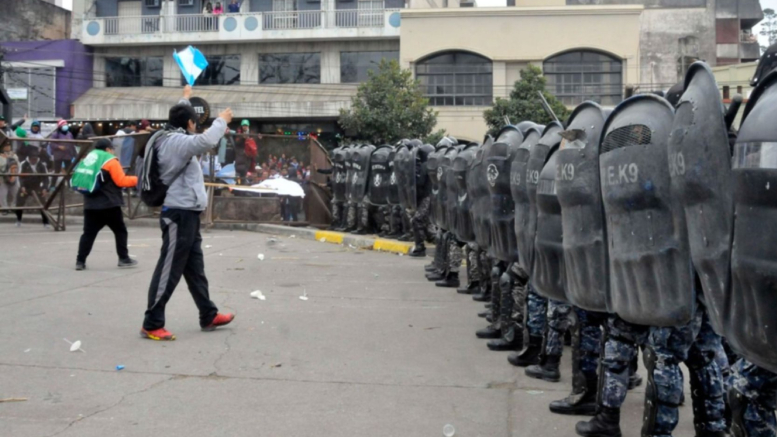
376,350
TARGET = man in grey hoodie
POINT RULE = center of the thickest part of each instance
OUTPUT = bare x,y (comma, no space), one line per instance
186,199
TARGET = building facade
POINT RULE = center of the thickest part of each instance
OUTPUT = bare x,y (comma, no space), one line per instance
289,65
44,78
292,65
587,49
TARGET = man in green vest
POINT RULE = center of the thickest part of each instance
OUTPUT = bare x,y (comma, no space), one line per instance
100,178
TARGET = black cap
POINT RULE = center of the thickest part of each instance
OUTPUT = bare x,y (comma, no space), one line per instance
103,143
34,151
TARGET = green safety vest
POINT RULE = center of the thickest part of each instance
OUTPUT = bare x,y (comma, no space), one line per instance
87,173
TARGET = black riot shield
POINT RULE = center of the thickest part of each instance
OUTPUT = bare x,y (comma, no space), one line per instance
582,213
404,166
448,183
360,170
525,175
464,229
478,194
380,176
548,274
483,199
433,169
498,162
750,320
338,174
348,163
393,194
700,168
651,280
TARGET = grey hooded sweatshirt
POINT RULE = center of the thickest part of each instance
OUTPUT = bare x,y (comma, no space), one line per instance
176,150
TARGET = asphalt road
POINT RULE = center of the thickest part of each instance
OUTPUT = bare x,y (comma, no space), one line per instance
376,350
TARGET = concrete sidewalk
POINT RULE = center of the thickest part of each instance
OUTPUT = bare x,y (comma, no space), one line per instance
376,350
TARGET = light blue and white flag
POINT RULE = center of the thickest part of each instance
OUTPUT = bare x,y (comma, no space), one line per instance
192,62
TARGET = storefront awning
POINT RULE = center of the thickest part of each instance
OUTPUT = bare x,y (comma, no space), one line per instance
247,101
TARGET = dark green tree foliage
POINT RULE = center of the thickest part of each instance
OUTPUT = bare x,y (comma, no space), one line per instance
524,103
769,27
388,107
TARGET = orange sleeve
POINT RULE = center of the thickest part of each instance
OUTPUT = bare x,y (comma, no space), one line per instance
117,175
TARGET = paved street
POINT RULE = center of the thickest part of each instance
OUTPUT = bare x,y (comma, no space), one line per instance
376,350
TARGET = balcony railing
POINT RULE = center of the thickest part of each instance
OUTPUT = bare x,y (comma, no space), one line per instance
196,23
291,20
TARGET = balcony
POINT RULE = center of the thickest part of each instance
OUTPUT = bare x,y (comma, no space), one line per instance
249,27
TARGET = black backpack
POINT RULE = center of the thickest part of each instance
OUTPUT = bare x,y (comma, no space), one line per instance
152,190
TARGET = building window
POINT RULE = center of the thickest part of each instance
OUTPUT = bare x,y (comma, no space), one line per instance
575,77
456,79
32,91
128,72
221,70
355,65
290,68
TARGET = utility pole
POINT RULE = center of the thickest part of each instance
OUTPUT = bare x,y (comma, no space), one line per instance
4,98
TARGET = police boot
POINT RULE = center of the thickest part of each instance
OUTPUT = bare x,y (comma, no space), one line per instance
451,280
738,403
406,237
650,420
436,275
484,314
547,371
634,379
471,288
417,251
483,296
582,400
606,423
430,267
512,334
511,340
529,355
489,332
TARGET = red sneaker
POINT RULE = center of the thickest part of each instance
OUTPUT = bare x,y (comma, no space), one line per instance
219,320
160,334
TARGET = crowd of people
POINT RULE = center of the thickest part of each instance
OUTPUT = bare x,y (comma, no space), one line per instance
52,155
632,229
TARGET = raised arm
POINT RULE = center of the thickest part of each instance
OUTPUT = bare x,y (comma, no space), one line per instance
118,176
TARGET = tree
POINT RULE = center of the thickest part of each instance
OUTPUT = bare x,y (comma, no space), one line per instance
387,107
769,27
524,103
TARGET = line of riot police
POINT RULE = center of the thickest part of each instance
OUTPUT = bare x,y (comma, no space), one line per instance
648,226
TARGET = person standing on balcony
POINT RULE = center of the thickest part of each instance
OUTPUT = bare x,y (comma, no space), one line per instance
234,7
218,10
208,9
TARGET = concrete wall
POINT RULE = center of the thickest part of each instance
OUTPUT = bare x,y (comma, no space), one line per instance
562,29
33,20
671,40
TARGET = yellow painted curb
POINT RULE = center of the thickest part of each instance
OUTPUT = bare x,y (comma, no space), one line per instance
330,237
392,246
